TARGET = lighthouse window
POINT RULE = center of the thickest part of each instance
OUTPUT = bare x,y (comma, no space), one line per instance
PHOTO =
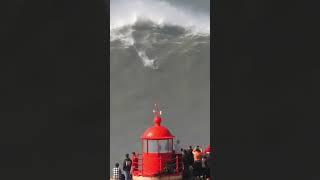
145,146
164,146
152,146
170,145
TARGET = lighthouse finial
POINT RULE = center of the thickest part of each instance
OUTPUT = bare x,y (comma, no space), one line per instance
157,113
156,110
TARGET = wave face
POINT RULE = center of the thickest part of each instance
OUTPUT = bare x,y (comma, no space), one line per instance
154,44
159,53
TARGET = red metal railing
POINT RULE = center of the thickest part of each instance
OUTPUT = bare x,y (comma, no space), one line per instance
177,168
137,165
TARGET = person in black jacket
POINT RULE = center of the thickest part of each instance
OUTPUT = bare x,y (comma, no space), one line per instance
190,155
186,161
127,167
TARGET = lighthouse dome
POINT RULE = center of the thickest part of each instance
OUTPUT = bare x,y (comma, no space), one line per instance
157,131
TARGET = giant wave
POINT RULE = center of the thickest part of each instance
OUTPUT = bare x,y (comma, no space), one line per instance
156,26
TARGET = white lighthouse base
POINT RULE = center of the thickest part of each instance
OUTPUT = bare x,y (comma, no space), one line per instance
169,177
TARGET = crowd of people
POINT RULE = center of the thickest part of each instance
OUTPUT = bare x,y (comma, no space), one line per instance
193,162
196,163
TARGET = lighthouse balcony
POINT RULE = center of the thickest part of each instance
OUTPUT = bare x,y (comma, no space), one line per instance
171,167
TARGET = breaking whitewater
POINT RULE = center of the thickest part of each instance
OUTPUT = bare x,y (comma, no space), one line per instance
159,53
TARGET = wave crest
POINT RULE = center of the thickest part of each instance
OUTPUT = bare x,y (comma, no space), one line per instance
159,12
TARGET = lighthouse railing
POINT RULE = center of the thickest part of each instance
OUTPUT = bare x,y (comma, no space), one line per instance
137,165
178,164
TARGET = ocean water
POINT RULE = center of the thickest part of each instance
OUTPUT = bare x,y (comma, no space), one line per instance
159,53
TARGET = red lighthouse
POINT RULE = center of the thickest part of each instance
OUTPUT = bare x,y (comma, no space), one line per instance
158,160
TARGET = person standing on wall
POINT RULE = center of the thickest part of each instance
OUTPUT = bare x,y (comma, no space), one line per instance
127,167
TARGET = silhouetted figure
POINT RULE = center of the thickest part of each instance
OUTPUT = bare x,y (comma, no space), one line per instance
186,164
190,155
173,162
127,167
208,164
180,162
205,167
